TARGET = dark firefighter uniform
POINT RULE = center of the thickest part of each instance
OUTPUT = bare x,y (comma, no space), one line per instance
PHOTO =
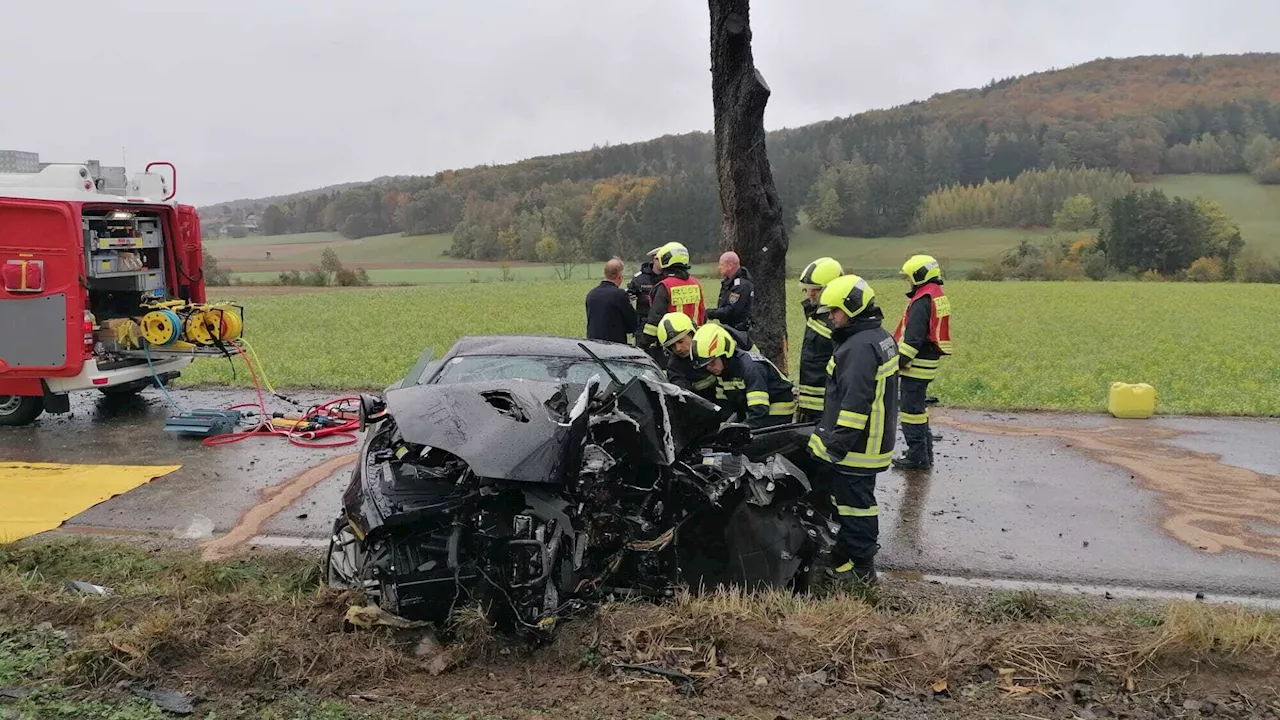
677,291
816,348
675,332
640,288
923,336
737,295
854,440
748,385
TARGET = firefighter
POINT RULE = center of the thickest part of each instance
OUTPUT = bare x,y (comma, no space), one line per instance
677,291
640,288
747,384
854,440
816,350
737,294
923,336
675,332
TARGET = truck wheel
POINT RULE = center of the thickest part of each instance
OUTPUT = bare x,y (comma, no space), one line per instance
19,409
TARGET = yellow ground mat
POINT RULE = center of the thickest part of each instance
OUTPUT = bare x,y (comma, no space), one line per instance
35,497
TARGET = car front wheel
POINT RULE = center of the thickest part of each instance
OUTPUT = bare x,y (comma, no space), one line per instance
19,409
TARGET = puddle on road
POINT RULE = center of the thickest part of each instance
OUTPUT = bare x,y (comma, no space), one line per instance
1212,506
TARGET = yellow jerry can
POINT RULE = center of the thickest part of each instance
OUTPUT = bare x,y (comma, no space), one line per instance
1127,400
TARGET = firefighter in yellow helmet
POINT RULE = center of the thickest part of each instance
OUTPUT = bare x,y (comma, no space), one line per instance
675,332
748,385
854,439
677,291
816,349
923,337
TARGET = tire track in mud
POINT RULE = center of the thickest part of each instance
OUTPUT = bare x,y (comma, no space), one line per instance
274,499
1211,506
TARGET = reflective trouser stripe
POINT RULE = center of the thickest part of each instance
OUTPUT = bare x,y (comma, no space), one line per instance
757,397
782,408
850,419
920,373
851,459
847,511
811,403
915,418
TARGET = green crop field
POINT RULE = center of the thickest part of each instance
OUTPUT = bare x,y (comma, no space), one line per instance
1208,349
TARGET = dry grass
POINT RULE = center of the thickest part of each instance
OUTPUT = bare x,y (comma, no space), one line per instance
265,625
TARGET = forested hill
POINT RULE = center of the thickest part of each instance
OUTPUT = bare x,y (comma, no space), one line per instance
864,175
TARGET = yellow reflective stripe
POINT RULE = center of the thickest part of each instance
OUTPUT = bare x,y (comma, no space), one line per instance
831,366
705,382
887,369
651,329
811,390
733,384
757,397
720,394
916,373
945,346
875,424
819,327
906,349
808,402
915,418
782,408
848,511
924,363
852,459
846,567
850,419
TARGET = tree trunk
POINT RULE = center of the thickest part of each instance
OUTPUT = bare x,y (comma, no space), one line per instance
753,224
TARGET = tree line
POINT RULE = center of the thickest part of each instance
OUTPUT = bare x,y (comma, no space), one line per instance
919,167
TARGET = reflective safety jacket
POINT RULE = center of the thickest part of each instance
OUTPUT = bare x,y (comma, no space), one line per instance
682,373
860,410
814,354
924,332
754,388
676,292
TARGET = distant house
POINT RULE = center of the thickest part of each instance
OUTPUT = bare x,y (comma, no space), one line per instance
251,224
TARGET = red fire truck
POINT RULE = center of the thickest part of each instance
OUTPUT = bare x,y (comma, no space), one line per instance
73,257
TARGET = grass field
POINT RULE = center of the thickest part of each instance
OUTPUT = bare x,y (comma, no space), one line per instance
1208,349
1255,207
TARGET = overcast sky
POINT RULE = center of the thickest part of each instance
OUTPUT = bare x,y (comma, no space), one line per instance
264,97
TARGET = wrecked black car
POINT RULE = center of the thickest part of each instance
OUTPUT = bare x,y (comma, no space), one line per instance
537,476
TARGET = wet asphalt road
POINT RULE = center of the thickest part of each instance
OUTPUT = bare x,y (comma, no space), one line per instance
1179,504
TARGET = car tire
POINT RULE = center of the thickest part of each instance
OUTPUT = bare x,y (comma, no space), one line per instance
16,410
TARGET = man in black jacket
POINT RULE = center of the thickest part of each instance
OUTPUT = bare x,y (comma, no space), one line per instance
737,294
748,385
854,440
609,312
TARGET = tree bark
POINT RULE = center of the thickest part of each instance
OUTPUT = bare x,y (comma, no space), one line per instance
753,224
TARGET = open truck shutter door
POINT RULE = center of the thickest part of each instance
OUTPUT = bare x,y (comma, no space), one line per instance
42,297
189,256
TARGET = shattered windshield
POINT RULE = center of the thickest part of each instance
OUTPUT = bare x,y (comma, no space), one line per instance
477,368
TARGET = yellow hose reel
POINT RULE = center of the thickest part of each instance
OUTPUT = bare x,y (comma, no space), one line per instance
174,322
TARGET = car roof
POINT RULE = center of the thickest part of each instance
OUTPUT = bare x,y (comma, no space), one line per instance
545,345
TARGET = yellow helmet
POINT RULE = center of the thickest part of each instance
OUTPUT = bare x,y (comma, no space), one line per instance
673,253
711,341
921,269
850,293
820,272
673,326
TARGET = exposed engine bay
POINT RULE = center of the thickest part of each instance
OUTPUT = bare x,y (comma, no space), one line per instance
539,499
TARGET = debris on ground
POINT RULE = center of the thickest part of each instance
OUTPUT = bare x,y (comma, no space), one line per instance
367,616
200,528
172,701
76,586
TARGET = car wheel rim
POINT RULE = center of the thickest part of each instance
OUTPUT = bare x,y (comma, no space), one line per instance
9,404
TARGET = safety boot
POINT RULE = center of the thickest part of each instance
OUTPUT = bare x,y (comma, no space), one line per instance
919,453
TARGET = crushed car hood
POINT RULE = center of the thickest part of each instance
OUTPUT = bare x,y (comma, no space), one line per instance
515,430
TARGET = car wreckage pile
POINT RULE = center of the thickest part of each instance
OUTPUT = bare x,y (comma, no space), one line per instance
540,499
